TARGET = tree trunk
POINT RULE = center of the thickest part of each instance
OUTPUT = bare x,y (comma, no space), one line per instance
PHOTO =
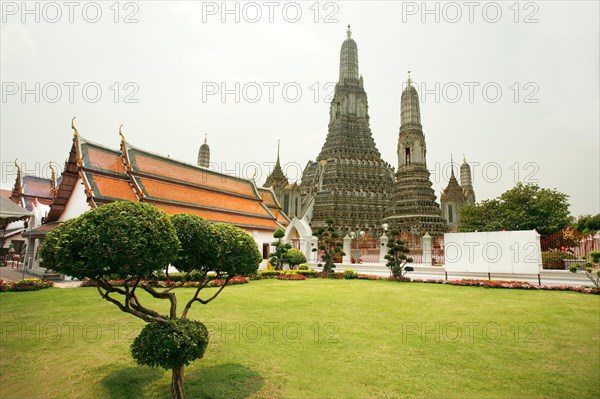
177,391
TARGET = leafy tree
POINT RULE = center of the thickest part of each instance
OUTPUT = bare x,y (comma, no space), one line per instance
279,257
396,256
588,224
330,245
136,242
524,207
295,257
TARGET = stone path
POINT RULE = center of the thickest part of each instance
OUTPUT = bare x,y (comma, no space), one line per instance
7,273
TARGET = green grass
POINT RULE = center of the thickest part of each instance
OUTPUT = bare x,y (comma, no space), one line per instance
358,339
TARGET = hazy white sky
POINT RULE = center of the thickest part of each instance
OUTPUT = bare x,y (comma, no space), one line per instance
513,86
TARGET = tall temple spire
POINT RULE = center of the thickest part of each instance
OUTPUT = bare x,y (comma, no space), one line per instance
349,60
349,181
413,205
278,143
204,154
466,183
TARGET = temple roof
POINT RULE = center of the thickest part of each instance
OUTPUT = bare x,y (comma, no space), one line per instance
28,189
268,197
135,174
453,190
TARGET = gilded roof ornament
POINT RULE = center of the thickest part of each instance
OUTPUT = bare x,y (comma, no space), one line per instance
121,134
75,132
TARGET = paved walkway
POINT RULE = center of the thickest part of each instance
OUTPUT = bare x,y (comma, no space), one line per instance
7,273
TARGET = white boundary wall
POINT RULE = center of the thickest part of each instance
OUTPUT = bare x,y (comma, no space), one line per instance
516,252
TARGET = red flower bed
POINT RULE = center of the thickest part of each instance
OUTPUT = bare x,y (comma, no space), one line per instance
28,284
512,284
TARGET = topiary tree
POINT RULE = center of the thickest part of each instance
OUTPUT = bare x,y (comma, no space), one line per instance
279,257
136,242
330,245
295,257
396,256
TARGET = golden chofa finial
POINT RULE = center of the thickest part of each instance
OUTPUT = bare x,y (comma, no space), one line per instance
17,166
75,132
121,134
349,32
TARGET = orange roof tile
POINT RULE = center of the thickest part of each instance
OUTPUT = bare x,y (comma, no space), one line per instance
268,197
199,197
96,157
215,216
153,165
281,218
110,188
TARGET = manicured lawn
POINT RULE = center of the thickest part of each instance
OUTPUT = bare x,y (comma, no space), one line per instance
314,339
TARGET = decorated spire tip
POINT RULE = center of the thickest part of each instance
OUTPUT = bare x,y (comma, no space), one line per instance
205,138
121,134
75,132
349,32
409,81
17,166
464,159
278,144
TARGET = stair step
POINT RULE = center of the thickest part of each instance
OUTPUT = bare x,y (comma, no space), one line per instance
52,276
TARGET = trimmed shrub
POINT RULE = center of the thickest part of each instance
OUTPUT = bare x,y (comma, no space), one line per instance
349,273
554,259
303,266
295,257
170,345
